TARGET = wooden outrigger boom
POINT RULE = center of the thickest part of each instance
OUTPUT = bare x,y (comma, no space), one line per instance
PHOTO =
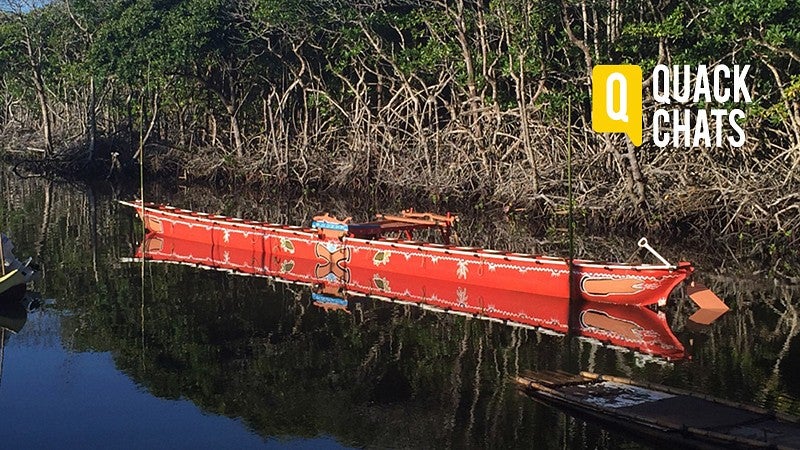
402,225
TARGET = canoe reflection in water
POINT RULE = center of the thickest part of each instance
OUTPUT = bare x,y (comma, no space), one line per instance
633,327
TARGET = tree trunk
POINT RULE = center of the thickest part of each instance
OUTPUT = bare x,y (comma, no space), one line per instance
92,118
41,93
235,130
41,96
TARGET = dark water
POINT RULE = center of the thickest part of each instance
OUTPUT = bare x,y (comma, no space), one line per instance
194,358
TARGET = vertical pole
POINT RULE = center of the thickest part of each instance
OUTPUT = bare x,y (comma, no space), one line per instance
573,301
141,155
144,221
569,186
2,351
3,254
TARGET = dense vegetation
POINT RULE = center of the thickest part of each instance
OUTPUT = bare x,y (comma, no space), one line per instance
442,98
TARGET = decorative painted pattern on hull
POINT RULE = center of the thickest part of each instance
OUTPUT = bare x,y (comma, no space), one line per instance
615,283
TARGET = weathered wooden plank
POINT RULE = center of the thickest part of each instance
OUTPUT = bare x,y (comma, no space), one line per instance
665,413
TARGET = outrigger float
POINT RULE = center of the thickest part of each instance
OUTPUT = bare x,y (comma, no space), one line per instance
340,247
624,327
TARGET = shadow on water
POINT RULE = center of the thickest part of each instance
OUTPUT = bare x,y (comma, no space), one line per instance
385,375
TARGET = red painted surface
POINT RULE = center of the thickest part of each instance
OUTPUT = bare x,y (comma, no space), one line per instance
634,327
614,283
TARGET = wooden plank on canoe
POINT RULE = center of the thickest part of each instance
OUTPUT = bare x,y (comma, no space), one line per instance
420,218
409,220
449,219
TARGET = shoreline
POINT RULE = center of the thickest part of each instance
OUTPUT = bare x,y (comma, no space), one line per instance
485,222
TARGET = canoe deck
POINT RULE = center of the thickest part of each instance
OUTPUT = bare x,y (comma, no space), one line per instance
661,412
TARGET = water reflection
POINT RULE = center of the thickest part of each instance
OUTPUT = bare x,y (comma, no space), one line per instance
387,375
633,327
13,316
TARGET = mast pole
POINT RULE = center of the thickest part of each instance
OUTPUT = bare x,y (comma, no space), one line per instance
573,302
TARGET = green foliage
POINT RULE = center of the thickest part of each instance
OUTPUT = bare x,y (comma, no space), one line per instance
135,40
672,26
232,48
298,87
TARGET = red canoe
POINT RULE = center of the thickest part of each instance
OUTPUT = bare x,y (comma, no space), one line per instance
338,249
633,327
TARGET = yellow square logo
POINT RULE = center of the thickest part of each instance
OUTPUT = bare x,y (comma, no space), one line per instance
617,100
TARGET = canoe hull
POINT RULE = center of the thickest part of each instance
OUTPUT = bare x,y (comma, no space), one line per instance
281,245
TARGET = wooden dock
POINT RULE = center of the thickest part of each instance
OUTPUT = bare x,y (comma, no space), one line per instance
662,413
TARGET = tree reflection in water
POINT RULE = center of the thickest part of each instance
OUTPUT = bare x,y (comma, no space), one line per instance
386,375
